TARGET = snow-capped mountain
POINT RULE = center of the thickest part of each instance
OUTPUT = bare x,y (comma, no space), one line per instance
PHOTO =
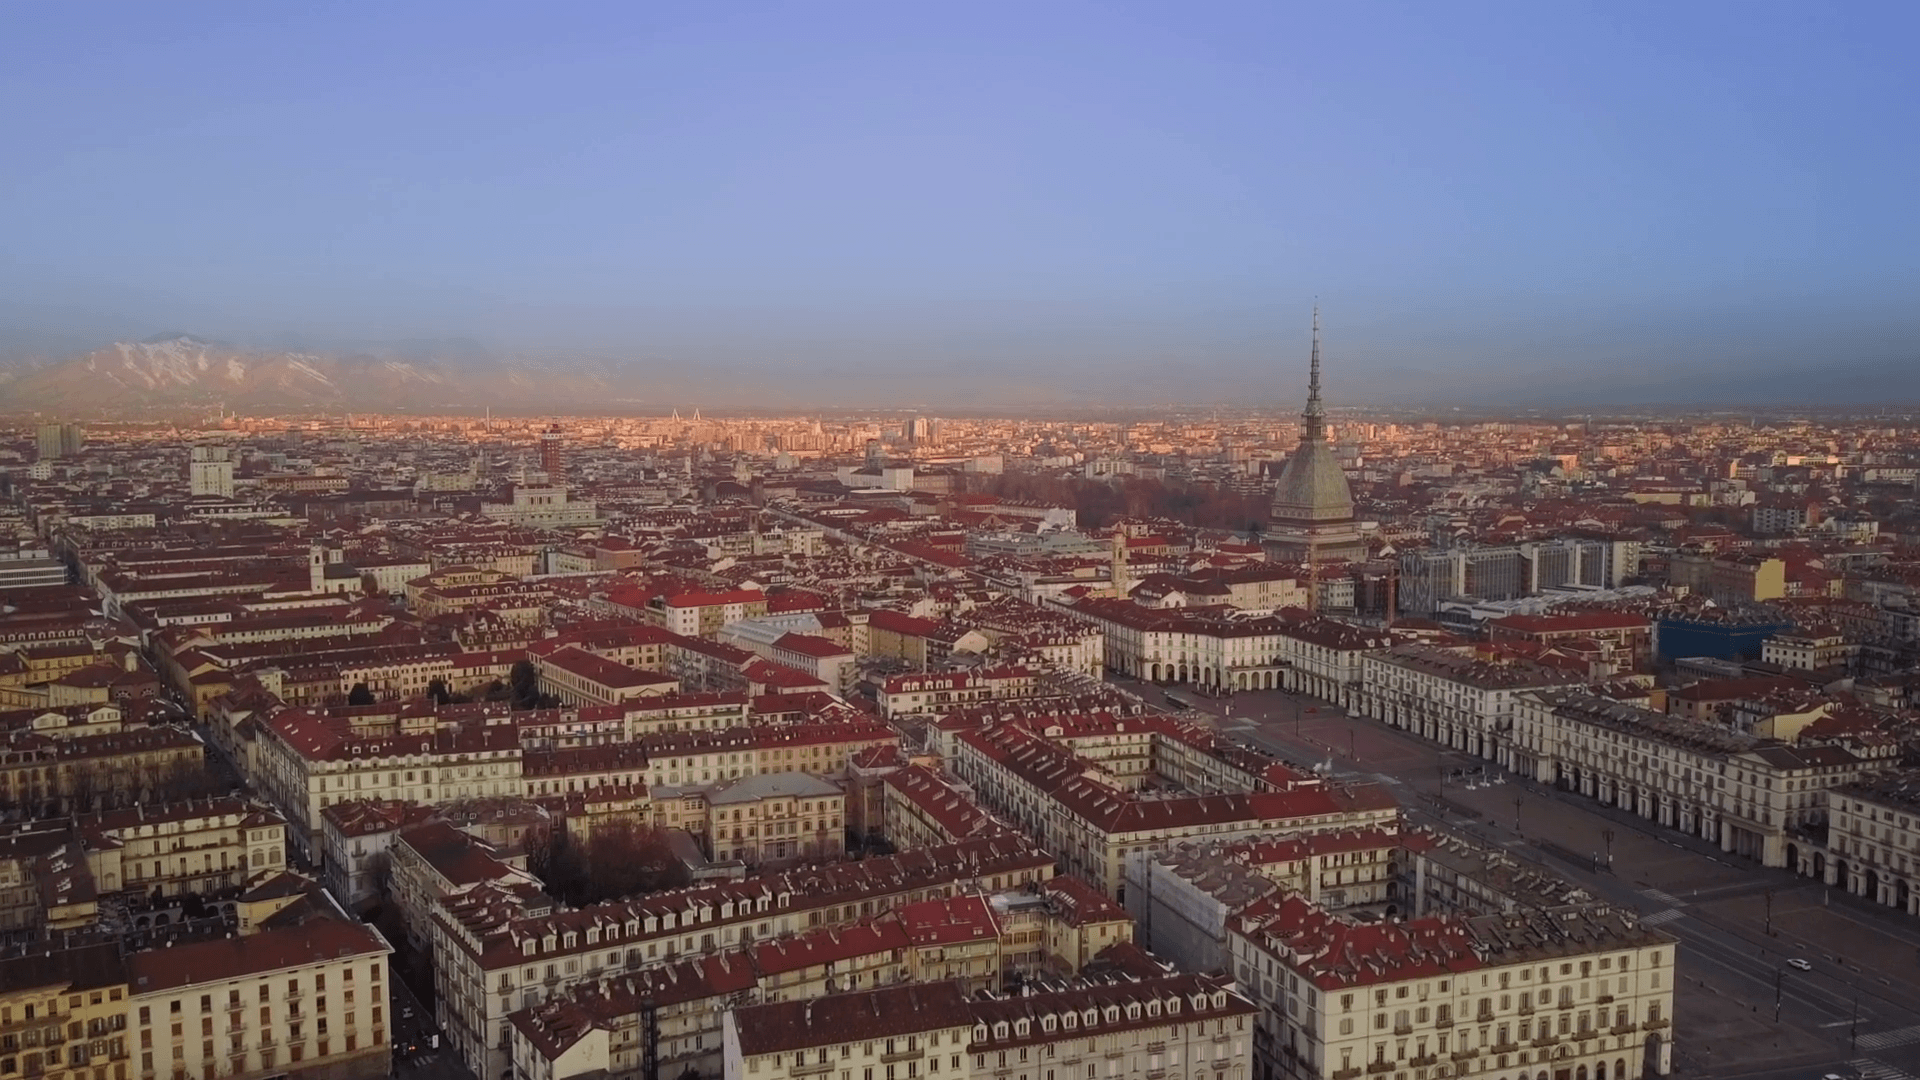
182,371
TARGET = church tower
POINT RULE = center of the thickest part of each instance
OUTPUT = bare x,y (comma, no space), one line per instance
1312,518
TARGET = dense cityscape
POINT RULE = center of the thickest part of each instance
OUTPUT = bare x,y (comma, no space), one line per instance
1202,746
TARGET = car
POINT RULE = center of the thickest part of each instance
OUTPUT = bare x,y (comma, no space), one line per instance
1800,964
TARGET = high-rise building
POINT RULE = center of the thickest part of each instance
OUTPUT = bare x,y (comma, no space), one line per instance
553,460
61,440
210,472
1312,517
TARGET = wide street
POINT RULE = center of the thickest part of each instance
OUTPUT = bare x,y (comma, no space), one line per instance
1856,1012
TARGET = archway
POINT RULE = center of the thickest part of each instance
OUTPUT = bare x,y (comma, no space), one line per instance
1840,874
1902,894
1793,857
1820,865
1619,1069
1650,1062
1154,669
1873,886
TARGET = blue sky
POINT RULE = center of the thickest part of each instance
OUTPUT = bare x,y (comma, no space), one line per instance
1523,198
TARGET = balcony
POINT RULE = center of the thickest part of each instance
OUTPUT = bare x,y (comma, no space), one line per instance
1656,1025
902,1055
1465,1055
1622,1029
1526,1008
1345,1074
1379,1067
1546,1040
1504,1048
1423,1061
810,1068
1403,1029
1444,1022
1604,999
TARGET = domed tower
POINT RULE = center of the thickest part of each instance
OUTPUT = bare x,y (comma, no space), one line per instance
1312,518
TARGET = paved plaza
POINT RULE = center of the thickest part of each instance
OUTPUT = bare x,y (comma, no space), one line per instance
1855,1013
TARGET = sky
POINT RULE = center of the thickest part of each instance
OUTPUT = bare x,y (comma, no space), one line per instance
1526,201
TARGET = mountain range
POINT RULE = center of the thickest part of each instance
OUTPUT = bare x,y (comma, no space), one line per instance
174,373
178,372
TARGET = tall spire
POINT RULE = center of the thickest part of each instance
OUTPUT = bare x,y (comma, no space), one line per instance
1315,414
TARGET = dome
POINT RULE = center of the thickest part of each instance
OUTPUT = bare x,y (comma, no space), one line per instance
1312,487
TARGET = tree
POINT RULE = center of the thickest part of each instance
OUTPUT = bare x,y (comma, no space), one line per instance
558,862
438,693
625,858
620,858
524,682
359,695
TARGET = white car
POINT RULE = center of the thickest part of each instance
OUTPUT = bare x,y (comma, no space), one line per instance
1796,962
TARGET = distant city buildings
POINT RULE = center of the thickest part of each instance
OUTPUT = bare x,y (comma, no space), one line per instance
57,441
745,744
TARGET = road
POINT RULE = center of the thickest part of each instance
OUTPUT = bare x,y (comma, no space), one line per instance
415,1057
1856,1012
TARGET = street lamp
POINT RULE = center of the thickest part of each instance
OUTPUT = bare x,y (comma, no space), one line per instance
1607,835
1516,815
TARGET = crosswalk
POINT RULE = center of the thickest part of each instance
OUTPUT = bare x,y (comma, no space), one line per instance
1870,1069
1661,917
1881,1040
1665,898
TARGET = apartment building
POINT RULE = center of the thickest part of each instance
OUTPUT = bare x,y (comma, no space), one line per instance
897,1033
1163,1024
1452,696
1628,637
578,677
932,693
1872,844
705,757
355,837
599,1028
306,1000
1320,657
776,817
1183,899
1740,791
921,808
305,761
701,614
1574,990
492,948
117,768
63,1014
183,848
1092,819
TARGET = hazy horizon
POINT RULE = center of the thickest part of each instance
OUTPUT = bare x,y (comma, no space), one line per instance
1546,205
